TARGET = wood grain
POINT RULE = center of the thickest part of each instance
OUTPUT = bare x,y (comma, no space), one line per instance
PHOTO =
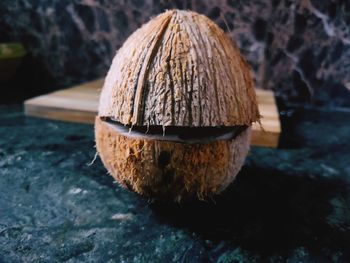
80,104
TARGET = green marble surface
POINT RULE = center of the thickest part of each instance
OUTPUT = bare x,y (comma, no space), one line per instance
290,204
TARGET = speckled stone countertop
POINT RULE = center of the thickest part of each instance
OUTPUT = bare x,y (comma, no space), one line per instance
288,204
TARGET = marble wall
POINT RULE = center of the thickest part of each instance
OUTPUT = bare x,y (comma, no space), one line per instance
300,49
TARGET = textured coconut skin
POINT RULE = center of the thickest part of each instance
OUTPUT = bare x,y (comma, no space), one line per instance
179,69
170,170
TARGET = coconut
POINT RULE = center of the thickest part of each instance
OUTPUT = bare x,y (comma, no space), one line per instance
176,109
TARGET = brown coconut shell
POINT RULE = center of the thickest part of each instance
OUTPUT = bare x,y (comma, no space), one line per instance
178,70
169,170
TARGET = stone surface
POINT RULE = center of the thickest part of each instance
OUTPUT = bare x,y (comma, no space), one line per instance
290,203
300,48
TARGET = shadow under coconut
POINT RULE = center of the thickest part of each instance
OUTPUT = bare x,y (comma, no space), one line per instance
267,211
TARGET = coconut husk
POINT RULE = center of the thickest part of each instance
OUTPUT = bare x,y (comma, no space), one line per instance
169,170
179,69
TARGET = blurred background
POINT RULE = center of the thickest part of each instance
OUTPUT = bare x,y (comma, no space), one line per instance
300,49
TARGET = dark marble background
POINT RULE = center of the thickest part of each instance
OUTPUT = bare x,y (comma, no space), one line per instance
300,49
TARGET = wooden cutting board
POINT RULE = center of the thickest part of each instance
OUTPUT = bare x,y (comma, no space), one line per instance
80,103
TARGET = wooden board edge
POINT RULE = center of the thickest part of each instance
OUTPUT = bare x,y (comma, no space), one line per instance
59,114
259,138
265,139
